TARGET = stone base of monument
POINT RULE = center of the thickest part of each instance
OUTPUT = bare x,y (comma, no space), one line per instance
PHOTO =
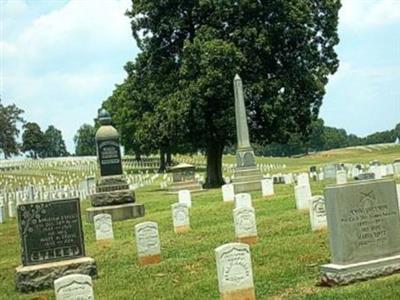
192,186
40,277
243,294
247,179
149,260
118,212
334,274
112,197
182,229
249,240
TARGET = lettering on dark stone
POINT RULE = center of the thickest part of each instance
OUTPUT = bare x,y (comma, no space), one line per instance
50,231
109,157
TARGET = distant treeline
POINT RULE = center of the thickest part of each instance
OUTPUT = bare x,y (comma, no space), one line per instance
324,138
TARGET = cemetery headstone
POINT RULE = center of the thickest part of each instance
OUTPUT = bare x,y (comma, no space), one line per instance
317,213
2,216
396,168
234,270
245,225
74,287
183,178
267,187
341,177
184,197
113,195
364,231
243,200
330,171
52,243
103,227
180,216
228,193
148,243
302,195
365,176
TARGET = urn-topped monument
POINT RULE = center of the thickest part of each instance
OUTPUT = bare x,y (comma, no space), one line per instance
113,195
246,177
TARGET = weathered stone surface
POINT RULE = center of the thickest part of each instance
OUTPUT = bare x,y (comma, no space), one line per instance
40,277
74,287
364,231
245,223
267,187
118,212
180,217
228,193
103,227
235,274
147,242
317,213
112,198
43,227
110,188
184,197
112,180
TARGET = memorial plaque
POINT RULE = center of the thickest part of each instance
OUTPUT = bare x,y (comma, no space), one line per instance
50,231
109,154
363,220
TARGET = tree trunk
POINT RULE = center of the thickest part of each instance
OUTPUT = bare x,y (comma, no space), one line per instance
162,161
169,158
214,177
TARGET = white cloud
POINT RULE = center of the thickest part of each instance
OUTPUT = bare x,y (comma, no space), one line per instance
61,65
363,14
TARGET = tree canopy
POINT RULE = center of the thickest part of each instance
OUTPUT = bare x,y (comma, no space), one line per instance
33,140
84,139
179,93
10,118
54,143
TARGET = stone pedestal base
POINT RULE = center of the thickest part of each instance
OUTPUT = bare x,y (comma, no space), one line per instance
40,277
149,260
112,198
117,212
181,229
249,240
247,179
244,294
333,274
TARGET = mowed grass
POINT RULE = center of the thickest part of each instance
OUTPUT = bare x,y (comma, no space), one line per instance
285,261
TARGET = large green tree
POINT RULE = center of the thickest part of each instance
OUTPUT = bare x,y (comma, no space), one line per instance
283,50
33,140
84,139
10,118
54,143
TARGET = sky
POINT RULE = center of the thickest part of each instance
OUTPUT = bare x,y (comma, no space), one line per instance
60,59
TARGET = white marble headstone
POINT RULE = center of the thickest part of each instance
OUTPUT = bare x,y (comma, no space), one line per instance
185,197
228,193
245,222
180,214
303,179
2,217
234,267
267,187
103,226
243,200
302,195
74,287
147,239
317,213
341,177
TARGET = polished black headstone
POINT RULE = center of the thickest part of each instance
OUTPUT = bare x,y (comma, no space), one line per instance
50,231
109,154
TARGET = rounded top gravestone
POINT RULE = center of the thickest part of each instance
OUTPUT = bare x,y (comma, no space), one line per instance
108,147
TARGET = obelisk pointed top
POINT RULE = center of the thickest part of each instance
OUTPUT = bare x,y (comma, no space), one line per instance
237,77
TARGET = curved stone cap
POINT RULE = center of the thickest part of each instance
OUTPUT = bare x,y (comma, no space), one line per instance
107,132
104,117
182,166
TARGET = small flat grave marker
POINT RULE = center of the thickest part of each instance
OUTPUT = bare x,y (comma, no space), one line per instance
103,226
235,274
148,243
228,193
180,216
245,225
74,287
243,200
317,213
185,197
267,187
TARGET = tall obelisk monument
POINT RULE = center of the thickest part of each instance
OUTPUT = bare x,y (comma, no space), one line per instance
247,176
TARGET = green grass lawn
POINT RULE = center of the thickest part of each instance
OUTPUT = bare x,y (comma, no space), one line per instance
285,261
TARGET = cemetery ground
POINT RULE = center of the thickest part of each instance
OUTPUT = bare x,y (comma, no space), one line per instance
286,259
